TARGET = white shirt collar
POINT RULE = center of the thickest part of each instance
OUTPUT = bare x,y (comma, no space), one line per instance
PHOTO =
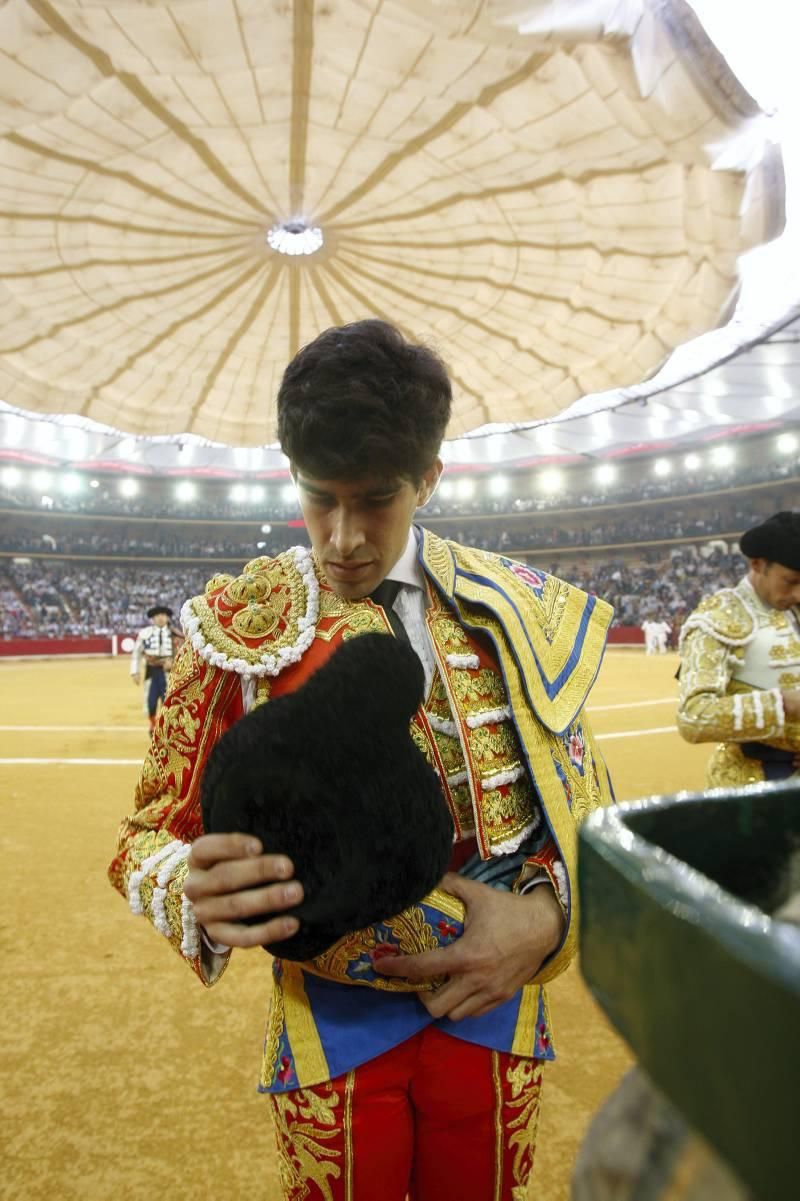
407,569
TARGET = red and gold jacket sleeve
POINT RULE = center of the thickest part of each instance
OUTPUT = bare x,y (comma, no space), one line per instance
150,865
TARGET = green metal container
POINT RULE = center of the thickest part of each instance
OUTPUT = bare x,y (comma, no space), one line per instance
679,949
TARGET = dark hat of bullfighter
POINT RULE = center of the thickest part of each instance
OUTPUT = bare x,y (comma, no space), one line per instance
156,609
776,539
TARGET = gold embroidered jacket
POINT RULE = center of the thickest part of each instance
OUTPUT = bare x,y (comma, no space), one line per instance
737,655
517,653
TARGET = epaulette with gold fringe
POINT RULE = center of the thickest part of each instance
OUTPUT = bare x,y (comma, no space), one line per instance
724,615
259,622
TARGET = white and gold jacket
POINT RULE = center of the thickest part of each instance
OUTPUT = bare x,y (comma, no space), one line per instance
738,655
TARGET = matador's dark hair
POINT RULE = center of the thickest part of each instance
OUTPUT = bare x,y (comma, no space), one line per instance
361,400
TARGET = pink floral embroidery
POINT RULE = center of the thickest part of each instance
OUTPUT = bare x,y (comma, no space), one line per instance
286,1070
528,576
544,1037
576,749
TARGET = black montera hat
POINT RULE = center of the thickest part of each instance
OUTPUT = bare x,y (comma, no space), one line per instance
776,539
156,609
330,775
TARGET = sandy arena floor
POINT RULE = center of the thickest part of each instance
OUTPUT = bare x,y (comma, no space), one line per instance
123,1078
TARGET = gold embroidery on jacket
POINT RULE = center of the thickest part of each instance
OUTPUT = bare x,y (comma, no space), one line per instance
507,810
413,935
420,741
784,652
450,752
729,767
176,731
479,690
348,616
437,702
496,748
462,803
447,632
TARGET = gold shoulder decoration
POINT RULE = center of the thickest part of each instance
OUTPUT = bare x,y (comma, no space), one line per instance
259,622
437,558
725,616
555,633
218,581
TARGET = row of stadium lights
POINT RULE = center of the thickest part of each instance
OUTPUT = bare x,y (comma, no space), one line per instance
549,482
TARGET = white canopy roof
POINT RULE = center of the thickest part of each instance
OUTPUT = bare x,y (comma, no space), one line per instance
539,204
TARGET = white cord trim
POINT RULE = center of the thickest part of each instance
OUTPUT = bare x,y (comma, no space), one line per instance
513,844
167,869
489,717
442,726
160,920
758,706
557,869
459,777
463,661
780,712
144,869
738,712
190,943
503,777
268,664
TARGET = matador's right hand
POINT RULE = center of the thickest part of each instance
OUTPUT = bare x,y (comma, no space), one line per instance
229,878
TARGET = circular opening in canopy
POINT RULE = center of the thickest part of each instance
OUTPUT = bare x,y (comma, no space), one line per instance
295,237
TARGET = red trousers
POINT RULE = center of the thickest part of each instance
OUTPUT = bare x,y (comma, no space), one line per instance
435,1119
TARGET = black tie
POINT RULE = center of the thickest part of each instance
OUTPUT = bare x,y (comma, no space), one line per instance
384,596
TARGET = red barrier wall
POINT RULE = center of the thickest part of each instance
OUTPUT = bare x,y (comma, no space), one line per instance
618,636
55,646
626,636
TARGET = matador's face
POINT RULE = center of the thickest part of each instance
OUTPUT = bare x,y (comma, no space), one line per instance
359,528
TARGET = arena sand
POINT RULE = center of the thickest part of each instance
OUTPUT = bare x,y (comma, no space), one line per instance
123,1077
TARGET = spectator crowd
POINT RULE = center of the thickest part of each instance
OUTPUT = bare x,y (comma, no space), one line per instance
156,541
58,599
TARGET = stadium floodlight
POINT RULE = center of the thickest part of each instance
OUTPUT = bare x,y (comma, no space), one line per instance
185,490
71,483
445,489
691,462
256,493
128,487
605,474
238,492
288,494
787,443
465,488
266,528
662,467
94,483
41,479
498,485
551,481
11,477
722,456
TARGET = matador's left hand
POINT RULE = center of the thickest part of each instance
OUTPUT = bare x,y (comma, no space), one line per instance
505,941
